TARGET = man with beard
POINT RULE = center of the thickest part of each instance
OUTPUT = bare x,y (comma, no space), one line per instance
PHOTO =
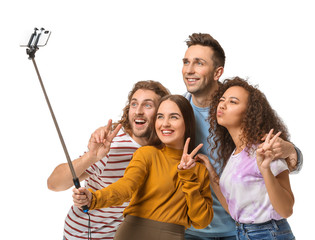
130,133
203,65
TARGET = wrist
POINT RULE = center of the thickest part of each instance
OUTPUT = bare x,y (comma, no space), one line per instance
91,157
265,170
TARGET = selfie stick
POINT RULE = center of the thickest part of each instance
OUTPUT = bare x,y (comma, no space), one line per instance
32,48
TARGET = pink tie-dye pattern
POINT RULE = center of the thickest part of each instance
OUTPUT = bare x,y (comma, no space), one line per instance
244,189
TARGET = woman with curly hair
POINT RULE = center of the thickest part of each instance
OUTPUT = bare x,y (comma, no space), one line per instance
253,187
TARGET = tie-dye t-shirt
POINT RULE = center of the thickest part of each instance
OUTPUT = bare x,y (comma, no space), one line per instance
244,188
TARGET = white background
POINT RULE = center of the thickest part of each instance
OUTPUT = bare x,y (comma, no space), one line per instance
99,49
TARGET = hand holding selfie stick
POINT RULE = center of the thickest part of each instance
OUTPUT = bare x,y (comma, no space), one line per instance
32,48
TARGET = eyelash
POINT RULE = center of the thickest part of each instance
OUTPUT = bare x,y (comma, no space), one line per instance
162,117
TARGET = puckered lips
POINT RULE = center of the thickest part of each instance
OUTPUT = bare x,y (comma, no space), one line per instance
219,113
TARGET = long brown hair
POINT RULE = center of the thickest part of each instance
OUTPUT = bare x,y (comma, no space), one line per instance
258,120
189,120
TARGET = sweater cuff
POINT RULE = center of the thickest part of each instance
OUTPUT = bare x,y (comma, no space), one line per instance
187,174
93,201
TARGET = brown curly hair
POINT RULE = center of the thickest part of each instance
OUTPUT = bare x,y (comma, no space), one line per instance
154,86
258,120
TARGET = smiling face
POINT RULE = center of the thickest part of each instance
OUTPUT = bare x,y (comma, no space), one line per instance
141,113
232,107
198,70
170,125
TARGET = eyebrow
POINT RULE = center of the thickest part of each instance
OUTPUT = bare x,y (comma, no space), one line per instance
145,100
231,98
195,59
172,114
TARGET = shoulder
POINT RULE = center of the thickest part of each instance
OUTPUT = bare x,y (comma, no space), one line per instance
187,95
147,149
123,139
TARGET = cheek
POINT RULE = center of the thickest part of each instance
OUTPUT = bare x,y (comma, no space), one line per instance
158,124
150,114
203,72
181,129
239,116
131,112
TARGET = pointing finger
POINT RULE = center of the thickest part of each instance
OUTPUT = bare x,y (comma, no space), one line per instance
193,153
186,146
114,133
272,141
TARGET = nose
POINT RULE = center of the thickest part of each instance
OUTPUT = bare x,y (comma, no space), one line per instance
222,105
189,69
139,110
166,122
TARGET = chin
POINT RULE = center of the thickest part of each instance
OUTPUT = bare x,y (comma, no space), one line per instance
141,133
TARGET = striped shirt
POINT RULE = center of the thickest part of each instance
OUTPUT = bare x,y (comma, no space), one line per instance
103,222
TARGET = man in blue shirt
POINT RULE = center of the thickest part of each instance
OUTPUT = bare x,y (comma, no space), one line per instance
203,65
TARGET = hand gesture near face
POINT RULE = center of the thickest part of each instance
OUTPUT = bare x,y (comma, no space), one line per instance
99,144
265,153
187,160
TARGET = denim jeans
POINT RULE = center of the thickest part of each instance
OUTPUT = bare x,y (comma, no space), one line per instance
273,229
191,237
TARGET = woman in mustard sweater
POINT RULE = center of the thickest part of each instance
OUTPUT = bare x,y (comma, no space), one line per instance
167,189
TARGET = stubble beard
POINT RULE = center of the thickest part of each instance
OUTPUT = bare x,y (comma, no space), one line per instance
202,89
143,133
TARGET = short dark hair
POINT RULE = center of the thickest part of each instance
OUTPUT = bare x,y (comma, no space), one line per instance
189,120
205,39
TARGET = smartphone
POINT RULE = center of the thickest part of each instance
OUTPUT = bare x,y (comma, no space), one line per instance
39,35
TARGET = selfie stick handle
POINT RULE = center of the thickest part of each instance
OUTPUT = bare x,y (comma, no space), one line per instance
75,179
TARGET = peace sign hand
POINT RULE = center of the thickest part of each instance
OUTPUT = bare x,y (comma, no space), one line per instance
264,153
100,141
187,160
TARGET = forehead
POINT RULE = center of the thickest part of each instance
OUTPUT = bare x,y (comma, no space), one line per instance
198,51
236,91
168,106
145,95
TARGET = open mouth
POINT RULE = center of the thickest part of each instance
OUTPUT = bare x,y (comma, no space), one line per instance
140,122
167,132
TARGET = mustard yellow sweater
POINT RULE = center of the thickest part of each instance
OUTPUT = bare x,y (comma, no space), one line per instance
159,191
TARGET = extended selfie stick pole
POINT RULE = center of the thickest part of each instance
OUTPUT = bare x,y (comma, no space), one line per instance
32,48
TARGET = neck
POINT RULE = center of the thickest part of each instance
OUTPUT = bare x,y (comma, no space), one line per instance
140,140
236,136
203,99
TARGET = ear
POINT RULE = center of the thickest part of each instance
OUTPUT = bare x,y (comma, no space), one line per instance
218,73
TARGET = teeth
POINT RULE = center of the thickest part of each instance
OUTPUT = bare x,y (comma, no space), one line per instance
166,132
140,121
191,80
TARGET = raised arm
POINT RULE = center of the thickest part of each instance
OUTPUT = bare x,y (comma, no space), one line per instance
288,151
118,192
99,146
278,187
196,189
